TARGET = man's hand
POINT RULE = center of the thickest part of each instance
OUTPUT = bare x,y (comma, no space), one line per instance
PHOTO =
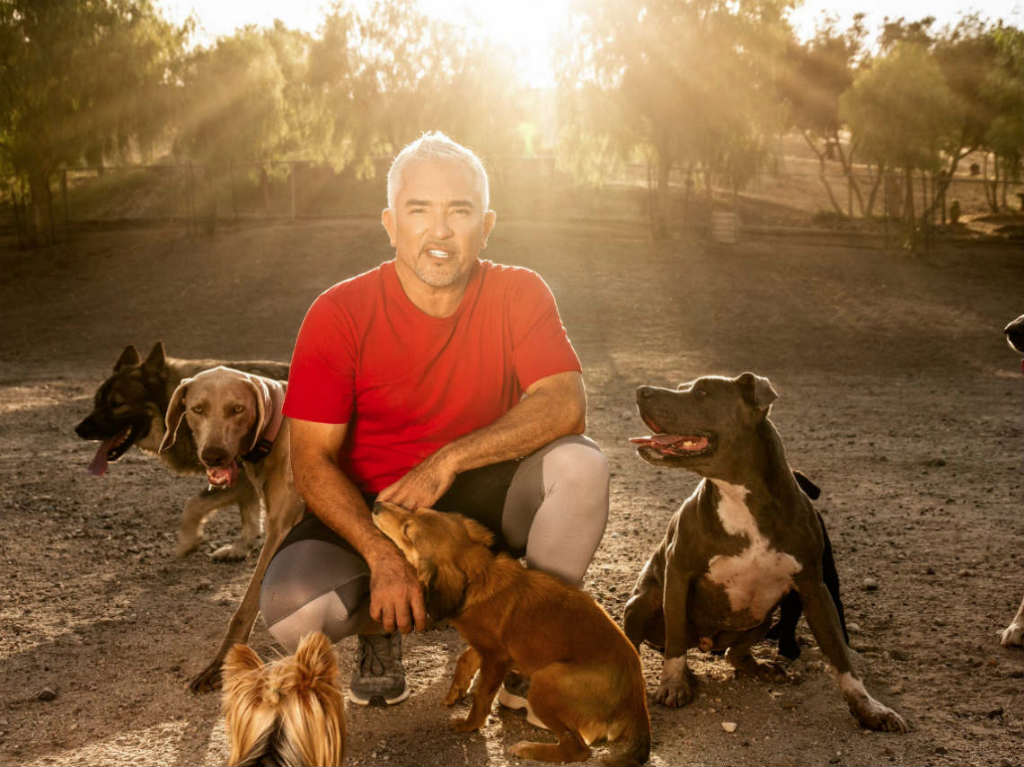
421,487
396,597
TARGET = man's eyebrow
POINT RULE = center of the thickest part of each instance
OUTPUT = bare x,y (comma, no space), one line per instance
413,203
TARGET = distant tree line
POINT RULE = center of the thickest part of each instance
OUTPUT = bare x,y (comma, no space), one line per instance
705,87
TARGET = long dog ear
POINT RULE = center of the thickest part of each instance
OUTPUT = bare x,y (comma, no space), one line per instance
477,532
757,391
445,590
129,358
261,396
174,416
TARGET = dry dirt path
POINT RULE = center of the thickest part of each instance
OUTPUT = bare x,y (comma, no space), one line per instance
898,397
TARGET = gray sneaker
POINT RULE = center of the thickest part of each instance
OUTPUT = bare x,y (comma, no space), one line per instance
379,678
513,694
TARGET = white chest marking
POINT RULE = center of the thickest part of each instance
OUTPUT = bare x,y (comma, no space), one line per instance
757,577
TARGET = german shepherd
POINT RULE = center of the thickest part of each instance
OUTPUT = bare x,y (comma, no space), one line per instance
586,683
128,409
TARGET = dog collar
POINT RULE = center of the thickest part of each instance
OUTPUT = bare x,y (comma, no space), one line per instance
273,400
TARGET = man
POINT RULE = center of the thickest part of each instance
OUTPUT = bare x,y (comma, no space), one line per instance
435,380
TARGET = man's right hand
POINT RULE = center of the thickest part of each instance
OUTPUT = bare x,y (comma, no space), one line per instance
396,597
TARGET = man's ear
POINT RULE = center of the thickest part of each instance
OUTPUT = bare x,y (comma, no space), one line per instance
490,219
757,391
387,220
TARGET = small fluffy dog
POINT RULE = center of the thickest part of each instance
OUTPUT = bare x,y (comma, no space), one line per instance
288,712
586,682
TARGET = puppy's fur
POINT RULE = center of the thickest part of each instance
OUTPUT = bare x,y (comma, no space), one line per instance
586,682
225,413
128,409
288,712
1013,635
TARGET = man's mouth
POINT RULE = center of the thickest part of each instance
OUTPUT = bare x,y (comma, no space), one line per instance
439,253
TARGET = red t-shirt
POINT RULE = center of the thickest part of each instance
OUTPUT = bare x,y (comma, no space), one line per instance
407,383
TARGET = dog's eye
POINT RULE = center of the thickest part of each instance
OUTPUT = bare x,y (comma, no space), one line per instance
405,530
197,409
236,409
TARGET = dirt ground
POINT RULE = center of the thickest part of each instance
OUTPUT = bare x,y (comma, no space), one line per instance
898,396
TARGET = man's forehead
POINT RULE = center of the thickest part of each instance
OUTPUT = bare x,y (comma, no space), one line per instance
439,180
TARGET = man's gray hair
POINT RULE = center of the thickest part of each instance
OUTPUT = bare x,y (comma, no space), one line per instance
437,146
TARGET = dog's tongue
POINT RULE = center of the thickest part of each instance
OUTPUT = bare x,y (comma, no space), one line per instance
98,466
223,477
674,442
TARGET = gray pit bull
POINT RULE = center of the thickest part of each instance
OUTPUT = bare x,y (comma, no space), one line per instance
744,539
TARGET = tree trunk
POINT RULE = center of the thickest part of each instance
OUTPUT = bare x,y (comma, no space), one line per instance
851,180
873,194
908,207
661,213
821,173
39,213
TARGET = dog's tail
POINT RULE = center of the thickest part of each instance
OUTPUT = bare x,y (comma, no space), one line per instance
634,743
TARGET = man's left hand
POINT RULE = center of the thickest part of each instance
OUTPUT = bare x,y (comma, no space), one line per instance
422,486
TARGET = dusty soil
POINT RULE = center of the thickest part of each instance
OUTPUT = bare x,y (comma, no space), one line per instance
898,396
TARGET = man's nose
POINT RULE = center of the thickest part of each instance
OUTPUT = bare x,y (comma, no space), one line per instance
440,227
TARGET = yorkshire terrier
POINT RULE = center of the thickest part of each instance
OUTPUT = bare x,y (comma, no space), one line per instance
288,712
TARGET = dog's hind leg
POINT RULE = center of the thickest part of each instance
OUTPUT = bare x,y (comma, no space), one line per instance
249,510
551,694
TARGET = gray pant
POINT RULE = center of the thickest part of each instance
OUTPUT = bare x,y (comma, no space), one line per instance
551,506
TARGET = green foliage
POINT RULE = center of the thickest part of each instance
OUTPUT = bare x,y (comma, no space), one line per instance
900,109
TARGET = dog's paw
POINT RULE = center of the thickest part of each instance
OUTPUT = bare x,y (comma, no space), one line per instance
1013,636
186,545
455,694
766,671
674,693
464,724
881,718
231,552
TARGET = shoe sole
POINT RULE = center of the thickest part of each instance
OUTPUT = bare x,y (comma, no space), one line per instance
378,700
518,702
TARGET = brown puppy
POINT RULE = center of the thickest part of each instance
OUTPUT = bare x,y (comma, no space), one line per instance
235,421
586,682
288,712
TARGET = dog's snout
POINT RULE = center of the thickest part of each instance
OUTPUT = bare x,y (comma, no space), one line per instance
214,456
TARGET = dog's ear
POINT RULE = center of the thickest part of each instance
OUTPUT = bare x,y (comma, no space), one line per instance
445,590
240,659
156,362
477,532
316,657
261,396
129,358
174,416
757,391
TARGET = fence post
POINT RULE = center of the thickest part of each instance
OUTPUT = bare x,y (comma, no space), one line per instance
64,198
291,183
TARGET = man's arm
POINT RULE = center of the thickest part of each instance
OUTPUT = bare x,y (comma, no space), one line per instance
552,407
396,598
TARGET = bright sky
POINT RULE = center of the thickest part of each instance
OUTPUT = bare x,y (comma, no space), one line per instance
528,26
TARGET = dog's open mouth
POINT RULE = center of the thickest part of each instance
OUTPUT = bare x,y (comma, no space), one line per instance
675,444
111,449
222,476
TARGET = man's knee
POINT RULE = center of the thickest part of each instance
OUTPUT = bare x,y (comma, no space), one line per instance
310,586
576,465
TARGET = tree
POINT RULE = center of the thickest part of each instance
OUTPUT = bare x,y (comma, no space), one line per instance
683,84
815,74
902,113
1005,133
80,81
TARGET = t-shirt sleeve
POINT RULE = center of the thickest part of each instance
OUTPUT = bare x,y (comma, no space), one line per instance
321,380
540,344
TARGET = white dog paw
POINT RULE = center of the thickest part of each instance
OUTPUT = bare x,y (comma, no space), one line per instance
1013,636
231,552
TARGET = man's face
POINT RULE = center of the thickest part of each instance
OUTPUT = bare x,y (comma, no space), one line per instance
438,225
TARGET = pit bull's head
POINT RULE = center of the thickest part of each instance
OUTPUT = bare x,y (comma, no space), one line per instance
697,425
